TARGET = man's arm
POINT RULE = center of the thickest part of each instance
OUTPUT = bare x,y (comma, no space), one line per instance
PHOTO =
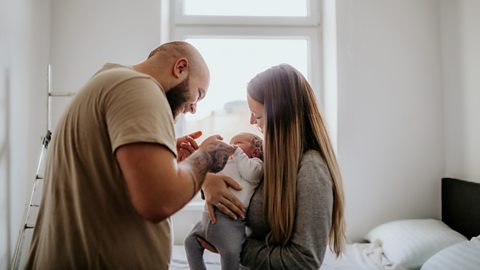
158,185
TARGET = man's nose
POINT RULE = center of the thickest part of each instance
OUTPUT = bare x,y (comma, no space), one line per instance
191,108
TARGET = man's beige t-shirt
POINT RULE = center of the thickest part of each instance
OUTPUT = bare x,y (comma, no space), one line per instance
86,220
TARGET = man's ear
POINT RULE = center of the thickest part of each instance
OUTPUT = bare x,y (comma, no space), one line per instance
180,68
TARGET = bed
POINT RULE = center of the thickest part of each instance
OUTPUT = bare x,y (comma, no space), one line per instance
426,244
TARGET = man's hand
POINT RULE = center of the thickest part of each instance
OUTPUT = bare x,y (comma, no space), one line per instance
215,152
186,145
211,156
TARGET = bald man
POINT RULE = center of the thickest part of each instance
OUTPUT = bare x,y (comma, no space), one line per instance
113,174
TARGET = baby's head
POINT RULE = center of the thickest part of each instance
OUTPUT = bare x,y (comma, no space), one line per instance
250,143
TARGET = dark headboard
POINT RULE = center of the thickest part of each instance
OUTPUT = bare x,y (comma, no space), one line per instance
461,206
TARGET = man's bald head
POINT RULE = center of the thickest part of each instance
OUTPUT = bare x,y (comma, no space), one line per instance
178,49
181,72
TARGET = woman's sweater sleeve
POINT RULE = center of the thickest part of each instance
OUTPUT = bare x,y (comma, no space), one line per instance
306,248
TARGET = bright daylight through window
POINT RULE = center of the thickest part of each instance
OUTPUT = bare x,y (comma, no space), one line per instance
232,63
239,39
287,8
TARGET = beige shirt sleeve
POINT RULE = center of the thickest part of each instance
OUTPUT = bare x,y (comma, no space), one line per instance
137,110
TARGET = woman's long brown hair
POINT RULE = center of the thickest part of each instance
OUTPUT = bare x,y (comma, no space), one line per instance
293,125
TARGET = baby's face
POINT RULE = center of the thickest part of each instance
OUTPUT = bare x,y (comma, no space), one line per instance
244,141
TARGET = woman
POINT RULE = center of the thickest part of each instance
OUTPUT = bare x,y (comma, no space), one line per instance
298,209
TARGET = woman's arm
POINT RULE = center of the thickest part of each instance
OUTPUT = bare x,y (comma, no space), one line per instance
307,246
215,189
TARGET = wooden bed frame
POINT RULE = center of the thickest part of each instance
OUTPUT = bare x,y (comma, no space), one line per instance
461,206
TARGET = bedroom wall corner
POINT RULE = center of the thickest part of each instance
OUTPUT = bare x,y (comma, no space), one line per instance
461,65
25,51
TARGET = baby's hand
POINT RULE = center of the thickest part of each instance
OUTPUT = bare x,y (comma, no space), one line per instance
186,145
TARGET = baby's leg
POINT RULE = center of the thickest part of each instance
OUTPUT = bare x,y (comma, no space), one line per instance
227,236
193,249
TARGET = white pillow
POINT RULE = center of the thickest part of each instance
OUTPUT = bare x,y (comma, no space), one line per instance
411,242
464,255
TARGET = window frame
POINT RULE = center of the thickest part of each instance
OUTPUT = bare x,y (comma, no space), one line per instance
183,26
312,19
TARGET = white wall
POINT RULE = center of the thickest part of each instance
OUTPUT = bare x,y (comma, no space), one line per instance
86,34
4,146
390,110
461,73
24,53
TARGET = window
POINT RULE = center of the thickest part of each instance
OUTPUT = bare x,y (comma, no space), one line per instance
239,39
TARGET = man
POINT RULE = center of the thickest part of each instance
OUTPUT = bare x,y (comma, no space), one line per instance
113,176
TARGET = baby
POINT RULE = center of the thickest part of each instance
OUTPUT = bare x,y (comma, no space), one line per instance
227,235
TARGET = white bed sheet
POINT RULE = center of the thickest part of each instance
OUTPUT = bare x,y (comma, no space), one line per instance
359,256
356,256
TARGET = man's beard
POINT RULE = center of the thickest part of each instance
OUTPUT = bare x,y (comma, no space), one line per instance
177,96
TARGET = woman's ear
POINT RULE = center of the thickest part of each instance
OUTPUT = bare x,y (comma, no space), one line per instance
180,68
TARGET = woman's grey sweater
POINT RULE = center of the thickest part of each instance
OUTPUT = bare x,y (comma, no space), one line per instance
309,240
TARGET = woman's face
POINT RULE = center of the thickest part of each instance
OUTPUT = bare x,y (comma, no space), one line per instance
256,113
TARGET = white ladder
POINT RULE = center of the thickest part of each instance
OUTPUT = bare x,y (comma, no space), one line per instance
32,207
31,211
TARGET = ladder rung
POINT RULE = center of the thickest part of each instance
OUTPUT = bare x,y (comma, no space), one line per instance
32,216
61,94
36,195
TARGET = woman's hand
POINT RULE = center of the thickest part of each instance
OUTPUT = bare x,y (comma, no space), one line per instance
186,145
217,195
